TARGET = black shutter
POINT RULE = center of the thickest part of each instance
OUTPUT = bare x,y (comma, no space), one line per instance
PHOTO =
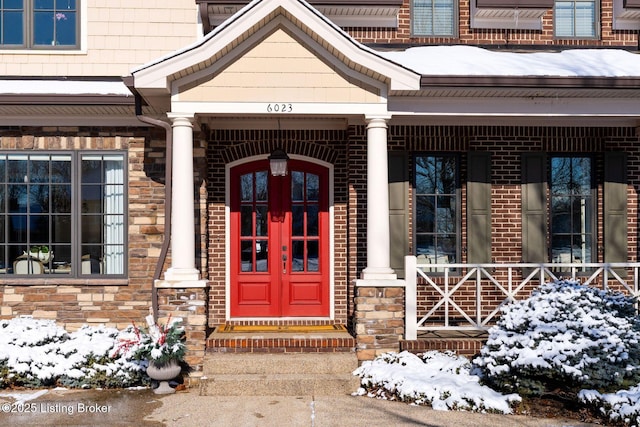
478,207
398,210
534,207
615,207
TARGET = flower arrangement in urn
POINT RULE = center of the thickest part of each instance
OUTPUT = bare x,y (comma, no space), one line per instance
159,344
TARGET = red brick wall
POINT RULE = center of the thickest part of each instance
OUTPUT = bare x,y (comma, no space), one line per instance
496,37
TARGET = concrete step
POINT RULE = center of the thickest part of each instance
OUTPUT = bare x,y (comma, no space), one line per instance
279,374
279,385
279,363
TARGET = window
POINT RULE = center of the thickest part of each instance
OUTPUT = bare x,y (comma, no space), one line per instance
575,19
62,213
39,24
436,215
572,210
433,17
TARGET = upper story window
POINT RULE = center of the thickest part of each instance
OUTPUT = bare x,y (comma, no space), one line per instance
433,17
436,214
39,24
575,19
572,210
62,213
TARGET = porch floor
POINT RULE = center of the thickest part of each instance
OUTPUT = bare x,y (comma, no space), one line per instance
280,339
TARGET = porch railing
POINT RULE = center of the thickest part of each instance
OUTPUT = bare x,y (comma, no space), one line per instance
507,282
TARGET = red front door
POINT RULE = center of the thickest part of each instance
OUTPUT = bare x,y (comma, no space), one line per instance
279,241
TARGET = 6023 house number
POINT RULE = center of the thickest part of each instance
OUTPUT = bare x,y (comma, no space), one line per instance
279,108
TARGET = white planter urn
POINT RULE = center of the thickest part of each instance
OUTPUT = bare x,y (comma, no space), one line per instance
163,374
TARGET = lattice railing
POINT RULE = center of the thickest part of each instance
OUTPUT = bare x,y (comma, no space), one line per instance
468,297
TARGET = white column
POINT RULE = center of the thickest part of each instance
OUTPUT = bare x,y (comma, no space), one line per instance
378,254
183,266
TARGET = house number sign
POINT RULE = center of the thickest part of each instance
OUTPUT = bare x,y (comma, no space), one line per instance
279,108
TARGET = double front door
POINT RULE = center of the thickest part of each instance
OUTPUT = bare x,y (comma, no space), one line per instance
279,241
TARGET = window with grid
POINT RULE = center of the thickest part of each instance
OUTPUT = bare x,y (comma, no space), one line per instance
575,19
433,17
62,213
39,24
572,208
436,212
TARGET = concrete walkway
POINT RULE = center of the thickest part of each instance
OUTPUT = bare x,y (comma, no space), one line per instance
189,409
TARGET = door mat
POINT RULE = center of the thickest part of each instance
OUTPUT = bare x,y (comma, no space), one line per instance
280,328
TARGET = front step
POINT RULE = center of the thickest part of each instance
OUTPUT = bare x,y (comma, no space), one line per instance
279,374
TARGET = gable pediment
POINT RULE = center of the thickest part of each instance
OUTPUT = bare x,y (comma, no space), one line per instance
273,51
279,69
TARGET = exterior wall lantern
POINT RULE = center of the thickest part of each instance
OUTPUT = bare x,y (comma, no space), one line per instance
278,162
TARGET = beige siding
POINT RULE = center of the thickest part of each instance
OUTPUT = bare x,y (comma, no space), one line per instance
279,69
121,35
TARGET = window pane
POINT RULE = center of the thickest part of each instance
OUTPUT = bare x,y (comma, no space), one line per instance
262,256
297,186
572,208
262,179
575,18
433,17
425,215
312,256
246,255
246,188
297,255
313,187
312,220
12,22
297,220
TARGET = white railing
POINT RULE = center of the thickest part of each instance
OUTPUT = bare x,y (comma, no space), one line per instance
506,281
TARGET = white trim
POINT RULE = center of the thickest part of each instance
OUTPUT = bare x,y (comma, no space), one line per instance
298,108
155,75
227,232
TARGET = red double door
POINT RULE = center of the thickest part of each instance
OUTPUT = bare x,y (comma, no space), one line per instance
279,241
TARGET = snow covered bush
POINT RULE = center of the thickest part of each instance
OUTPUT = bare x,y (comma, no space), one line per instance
442,380
622,407
565,336
38,353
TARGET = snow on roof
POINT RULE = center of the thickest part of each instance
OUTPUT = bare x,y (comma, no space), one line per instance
475,61
63,87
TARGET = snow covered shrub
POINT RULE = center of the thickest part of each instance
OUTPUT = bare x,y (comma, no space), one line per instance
442,380
38,353
565,336
621,407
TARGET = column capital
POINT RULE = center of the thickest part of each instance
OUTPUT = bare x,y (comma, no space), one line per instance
378,120
181,119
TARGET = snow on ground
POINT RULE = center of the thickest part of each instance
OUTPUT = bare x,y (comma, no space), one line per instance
442,380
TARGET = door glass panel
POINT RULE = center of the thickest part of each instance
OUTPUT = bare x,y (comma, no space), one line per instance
297,220
312,256
246,221
312,220
297,186
261,220
262,193
297,255
262,259
246,187
246,250
313,187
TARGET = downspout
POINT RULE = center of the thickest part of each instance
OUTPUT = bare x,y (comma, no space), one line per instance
167,202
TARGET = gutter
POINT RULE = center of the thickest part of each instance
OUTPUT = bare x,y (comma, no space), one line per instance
168,190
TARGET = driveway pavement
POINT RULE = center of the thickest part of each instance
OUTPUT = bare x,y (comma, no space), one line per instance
189,409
